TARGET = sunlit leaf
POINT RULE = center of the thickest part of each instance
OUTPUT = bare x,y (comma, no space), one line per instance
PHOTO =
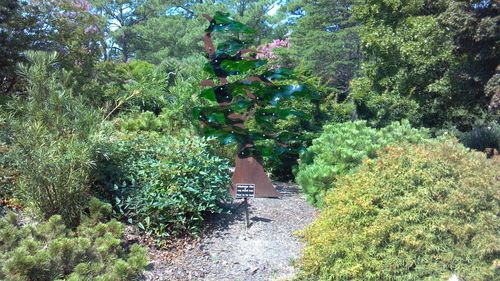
217,117
222,22
241,66
208,94
278,74
230,47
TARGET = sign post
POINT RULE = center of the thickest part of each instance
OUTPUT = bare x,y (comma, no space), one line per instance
245,191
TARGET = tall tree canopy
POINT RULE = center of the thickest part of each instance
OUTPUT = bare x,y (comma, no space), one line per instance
13,39
325,39
153,30
65,26
428,61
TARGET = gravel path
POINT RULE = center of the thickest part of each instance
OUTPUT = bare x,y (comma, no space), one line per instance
230,251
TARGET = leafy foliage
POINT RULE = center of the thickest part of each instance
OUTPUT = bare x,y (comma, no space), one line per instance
427,61
325,40
125,87
155,30
54,138
14,21
420,212
165,185
49,251
7,173
342,147
174,116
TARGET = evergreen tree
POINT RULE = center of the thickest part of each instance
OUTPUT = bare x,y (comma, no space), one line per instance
121,18
326,40
476,28
428,61
17,32
155,30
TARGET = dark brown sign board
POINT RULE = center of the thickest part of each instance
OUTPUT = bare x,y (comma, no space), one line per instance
245,190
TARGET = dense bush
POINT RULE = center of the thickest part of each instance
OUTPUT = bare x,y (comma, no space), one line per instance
420,212
49,251
176,109
342,147
53,141
484,137
165,185
427,61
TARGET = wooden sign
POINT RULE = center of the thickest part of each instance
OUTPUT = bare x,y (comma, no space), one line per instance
245,190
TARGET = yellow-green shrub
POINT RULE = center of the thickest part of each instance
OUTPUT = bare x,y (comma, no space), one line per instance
418,212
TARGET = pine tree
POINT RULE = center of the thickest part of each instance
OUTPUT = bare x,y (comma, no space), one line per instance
326,39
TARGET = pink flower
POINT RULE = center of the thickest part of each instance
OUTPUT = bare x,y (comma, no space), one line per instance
91,29
82,4
266,50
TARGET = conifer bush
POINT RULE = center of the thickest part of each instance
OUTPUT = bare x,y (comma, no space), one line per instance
342,147
54,138
50,251
417,212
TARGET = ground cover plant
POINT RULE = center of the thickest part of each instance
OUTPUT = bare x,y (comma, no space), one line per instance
417,212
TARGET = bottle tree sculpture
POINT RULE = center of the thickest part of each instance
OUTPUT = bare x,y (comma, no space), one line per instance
248,97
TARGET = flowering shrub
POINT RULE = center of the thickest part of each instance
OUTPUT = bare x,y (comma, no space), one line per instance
91,29
269,52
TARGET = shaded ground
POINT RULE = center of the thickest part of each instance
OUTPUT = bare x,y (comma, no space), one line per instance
230,251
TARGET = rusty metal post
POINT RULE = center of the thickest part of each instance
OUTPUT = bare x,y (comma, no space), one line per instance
250,171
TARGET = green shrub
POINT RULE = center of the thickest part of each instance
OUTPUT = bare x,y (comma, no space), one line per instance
176,112
7,173
50,251
342,147
165,185
148,86
420,212
53,141
137,85
484,137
